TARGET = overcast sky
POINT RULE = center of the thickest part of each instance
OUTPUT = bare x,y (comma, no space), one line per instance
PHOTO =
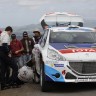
24,12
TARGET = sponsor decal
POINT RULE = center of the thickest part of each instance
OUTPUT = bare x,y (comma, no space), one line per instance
52,65
64,72
77,50
59,65
85,80
51,62
87,54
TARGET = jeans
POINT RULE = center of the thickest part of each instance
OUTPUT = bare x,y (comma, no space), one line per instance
26,58
19,61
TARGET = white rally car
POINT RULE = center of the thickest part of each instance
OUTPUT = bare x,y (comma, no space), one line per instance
66,54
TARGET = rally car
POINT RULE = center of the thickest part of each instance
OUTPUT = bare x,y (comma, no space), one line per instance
66,54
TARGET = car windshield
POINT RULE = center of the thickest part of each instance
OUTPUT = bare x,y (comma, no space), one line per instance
72,37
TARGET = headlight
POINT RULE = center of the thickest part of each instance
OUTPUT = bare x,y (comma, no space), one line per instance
52,54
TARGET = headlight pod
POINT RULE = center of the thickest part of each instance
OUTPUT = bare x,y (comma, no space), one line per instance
52,54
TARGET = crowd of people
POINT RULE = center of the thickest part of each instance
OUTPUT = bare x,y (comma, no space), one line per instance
14,54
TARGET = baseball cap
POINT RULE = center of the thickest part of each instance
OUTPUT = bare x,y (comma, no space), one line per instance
13,36
25,34
36,31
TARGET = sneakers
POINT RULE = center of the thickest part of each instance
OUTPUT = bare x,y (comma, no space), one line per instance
8,86
4,87
16,85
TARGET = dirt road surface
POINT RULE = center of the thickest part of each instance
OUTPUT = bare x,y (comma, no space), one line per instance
81,89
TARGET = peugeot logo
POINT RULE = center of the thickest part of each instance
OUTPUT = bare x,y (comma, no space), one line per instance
87,54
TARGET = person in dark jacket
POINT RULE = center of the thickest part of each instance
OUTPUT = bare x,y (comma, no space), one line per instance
28,45
37,36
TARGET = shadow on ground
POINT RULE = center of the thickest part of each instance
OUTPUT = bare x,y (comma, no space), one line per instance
72,87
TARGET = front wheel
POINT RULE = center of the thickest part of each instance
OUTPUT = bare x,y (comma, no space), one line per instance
44,84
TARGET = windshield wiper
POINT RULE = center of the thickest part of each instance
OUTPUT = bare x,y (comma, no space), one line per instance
70,46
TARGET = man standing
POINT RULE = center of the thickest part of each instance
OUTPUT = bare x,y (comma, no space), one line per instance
16,50
28,45
6,60
37,36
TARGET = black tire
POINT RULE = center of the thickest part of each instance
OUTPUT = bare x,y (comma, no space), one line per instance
44,84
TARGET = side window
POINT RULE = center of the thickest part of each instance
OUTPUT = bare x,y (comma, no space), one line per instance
43,39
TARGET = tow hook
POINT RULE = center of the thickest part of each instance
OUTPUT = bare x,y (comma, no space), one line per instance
57,75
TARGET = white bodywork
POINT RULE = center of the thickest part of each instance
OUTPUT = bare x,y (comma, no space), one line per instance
66,61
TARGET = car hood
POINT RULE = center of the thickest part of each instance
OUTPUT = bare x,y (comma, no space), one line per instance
76,51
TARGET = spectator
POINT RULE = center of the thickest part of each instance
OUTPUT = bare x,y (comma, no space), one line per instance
8,69
0,37
28,45
6,60
0,31
95,29
16,49
36,36
36,39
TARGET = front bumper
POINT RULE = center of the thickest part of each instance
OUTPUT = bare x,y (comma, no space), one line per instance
63,71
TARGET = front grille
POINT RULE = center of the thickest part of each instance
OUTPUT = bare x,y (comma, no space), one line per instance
69,76
83,67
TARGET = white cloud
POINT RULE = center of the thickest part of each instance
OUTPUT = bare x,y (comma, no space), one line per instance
20,9
3,1
34,7
33,4
7,1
